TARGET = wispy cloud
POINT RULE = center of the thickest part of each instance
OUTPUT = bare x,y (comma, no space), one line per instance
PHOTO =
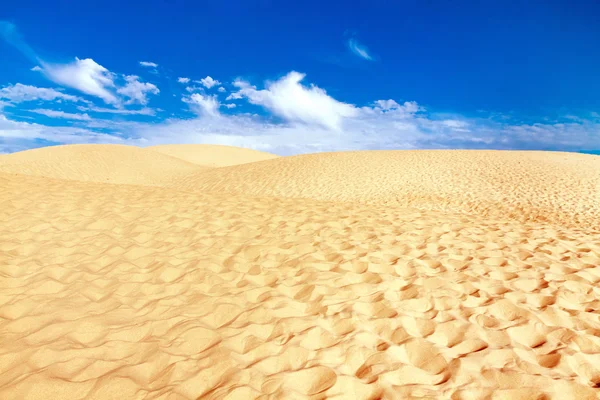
183,80
10,34
148,64
86,75
20,93
359,50
61,114
207,106
121,111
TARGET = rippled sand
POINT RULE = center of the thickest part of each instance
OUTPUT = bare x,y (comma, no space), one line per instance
230,286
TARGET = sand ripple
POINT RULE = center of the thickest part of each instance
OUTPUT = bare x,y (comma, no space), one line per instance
118,291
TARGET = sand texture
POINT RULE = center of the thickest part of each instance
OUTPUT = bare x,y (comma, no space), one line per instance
212,155
529,186
109,163
208,286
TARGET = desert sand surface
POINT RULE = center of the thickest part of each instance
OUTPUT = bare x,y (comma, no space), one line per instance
312,279
526,185
109,163
212,155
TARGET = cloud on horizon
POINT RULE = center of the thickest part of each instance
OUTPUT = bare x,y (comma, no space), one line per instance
304,126
294,116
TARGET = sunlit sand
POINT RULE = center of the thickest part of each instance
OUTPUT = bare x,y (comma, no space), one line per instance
155,273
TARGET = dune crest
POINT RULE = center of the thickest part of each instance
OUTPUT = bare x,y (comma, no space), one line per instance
110,163
526,185
212,155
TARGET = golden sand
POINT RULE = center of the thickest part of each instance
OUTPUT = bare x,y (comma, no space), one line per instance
212,155
109,163
224,289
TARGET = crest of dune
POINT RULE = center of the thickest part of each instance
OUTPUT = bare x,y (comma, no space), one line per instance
212,155
527,185
110,163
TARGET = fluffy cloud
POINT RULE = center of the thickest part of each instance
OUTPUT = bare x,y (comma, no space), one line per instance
311,120
222,89
62,114
235,96
289,99
209,82
359,49
86,75
207,106
19,93
137,91
183,80
148,64
231,105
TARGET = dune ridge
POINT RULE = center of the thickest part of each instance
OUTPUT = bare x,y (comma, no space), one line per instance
110,163
185,290
212,155
553,187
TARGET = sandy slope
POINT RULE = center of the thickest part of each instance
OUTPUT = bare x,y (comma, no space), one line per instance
211,155
544,186
140,292
109,163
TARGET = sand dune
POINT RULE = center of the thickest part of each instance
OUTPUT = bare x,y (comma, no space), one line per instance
98,163
148,292
543,186
211,155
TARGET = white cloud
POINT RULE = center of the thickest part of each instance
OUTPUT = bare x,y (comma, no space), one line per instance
229,105
19,93
359,49
37,68
289,99
235,96
204,105
183,80
387,104
86,76
456,125
121,111
191,89
61,114
222,89
209,82
311,120
137,91
148,64
15,136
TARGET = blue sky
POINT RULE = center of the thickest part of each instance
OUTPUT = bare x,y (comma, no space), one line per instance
296,77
